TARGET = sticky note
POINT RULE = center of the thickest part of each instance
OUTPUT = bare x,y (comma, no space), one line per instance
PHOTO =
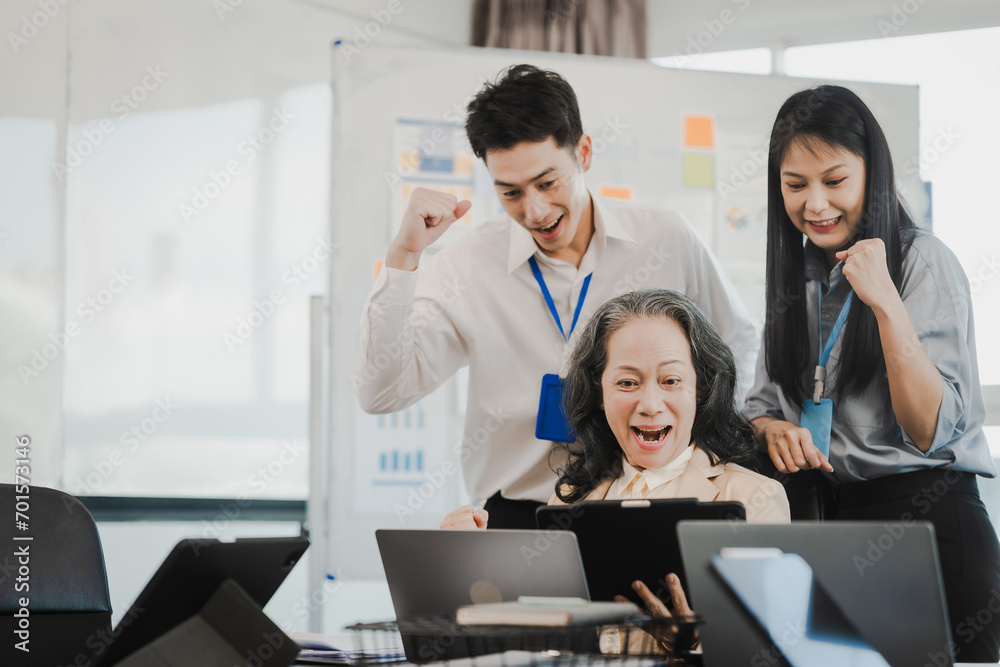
409,161
699,170
377,268
616,191
699,132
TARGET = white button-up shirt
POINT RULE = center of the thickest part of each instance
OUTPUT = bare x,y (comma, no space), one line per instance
477,303
634,484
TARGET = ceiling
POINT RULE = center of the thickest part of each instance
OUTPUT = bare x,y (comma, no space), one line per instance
674,25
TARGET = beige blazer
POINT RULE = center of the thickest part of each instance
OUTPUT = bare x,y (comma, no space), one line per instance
763,497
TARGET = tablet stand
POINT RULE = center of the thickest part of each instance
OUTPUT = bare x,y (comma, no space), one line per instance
229,630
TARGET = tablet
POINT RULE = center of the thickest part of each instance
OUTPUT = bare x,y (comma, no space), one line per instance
625,540
189,576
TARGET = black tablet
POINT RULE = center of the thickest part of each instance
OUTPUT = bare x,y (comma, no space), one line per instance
625,540
188,577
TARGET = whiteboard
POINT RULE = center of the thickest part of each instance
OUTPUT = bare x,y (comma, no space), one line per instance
639,116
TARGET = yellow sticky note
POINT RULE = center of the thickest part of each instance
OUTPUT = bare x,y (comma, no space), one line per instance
409,160
616,191
699,132
699,170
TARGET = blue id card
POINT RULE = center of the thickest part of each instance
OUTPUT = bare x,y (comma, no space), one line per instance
552,424
819,420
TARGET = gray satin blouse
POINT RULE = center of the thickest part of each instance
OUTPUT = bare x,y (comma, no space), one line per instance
867,442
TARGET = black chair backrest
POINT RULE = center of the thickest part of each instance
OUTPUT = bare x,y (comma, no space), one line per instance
59,572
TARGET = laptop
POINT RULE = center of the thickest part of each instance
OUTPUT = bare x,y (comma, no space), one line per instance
622,541
190,575
431,573
877,585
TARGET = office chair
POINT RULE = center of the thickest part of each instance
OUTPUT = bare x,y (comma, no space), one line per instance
63,580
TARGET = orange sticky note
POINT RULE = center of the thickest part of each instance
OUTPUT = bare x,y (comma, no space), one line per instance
616,191
699,132
377,268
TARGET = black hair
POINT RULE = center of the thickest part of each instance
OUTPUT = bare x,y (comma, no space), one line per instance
836,117
525,104
719,428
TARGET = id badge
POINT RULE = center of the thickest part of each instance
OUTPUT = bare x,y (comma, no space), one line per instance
551,423
819,420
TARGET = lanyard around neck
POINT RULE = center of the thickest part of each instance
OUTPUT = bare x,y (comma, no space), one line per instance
552,306
819,376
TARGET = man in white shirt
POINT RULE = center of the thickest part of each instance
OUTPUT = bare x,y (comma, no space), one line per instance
507,299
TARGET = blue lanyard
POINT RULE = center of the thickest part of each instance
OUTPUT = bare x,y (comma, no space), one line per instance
819,377
825,351
552,306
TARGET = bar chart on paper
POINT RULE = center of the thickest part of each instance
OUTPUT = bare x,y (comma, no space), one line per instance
400,459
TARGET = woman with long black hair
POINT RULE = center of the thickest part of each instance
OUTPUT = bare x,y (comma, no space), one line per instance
868,367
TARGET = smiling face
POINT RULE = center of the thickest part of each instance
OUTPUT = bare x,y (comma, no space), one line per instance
650,391
824,192
541,187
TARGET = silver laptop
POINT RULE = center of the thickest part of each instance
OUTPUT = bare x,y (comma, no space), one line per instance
433,572
874,584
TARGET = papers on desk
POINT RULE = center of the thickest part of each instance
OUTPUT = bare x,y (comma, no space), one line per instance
322,650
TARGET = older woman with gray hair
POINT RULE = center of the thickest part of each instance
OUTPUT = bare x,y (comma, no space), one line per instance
652,398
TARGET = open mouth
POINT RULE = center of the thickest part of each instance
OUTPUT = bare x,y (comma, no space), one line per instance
824,224
552,230
650,437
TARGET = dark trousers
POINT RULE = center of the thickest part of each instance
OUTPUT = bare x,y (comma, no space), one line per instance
515,514
967,546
